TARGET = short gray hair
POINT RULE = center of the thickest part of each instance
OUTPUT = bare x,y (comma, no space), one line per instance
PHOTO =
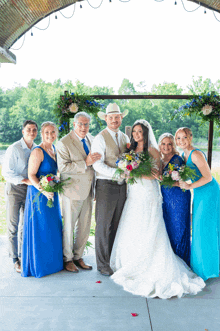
81,114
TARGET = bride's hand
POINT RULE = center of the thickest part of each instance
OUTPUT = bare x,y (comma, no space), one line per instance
156,174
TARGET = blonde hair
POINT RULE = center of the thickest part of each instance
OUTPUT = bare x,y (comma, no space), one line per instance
187,131
171,137
45,124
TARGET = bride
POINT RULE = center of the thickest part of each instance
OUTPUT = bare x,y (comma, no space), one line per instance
142,258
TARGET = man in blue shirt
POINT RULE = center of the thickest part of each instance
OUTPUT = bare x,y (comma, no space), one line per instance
15,172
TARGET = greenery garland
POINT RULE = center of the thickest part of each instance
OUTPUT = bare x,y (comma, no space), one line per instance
206,105
71,103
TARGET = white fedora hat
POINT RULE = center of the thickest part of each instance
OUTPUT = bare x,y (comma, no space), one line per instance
112,108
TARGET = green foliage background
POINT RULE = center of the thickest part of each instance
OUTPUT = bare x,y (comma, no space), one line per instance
38,99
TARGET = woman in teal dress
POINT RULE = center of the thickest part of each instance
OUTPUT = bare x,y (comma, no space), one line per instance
206,209
176,203
42,252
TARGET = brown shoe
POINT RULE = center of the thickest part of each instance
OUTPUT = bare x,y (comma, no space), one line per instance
70,266
17,266
80,263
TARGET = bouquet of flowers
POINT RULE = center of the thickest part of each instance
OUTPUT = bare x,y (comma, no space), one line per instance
174,173
131,166
51,183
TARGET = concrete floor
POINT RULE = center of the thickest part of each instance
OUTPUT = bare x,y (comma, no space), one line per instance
66,301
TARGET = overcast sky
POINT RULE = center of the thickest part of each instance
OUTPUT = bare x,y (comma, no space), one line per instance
140,40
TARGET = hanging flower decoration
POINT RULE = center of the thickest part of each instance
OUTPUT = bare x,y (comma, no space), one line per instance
206,105
71,103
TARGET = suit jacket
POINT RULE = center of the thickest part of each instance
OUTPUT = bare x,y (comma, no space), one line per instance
71,163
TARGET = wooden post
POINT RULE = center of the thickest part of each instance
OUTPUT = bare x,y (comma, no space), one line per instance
210,140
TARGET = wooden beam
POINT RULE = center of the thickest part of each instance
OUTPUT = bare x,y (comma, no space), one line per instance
210,141
140,96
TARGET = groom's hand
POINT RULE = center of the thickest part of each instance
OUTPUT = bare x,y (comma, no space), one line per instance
92,158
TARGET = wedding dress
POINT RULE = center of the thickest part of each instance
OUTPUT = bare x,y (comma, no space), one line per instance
142,258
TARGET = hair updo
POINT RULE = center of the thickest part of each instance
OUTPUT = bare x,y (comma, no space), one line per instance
48,123
187,131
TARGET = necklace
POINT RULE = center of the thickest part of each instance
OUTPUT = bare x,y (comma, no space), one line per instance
50,151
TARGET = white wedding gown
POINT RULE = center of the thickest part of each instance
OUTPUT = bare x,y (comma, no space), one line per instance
142,258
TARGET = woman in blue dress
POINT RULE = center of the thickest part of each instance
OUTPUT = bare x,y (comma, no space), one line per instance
206,209
42,252
176,203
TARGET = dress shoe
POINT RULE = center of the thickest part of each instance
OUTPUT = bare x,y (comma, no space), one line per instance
17,266
106,271
80,263
70,266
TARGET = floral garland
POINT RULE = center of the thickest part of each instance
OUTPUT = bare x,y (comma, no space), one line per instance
71,103
206,105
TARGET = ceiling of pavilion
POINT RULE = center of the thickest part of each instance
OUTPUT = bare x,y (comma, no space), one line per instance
18,16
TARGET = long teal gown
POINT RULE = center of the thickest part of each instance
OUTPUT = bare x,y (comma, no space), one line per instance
205,247
42,252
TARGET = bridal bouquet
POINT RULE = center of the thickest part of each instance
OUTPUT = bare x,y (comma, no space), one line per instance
51,183
131,166
175,173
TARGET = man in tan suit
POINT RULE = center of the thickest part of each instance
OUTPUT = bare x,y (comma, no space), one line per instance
75,161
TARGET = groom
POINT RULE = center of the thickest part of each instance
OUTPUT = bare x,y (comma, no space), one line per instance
110,195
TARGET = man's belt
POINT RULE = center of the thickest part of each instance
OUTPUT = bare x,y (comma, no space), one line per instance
112,182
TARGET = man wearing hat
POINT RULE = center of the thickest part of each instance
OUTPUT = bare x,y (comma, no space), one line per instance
110,195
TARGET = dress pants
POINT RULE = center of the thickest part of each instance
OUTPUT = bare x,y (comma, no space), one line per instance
76,226
15,196
110,199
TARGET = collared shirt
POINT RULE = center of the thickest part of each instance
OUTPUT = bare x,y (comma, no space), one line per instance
15,165
87,143
98,145
86,139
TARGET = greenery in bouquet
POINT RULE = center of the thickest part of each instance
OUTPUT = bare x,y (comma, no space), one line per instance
51,183
175,173
206,105
132,166
71,103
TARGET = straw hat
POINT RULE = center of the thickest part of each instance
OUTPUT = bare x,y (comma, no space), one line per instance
112,108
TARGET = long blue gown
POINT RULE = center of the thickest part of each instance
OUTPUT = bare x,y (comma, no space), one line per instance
205,227
176,214
42,252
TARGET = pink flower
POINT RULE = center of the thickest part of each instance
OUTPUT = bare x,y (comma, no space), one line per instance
98,281
129,167
135,165
175,175
49,179
134,314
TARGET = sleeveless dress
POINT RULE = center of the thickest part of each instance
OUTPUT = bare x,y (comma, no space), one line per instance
176,214
42,252
142,257
205,226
